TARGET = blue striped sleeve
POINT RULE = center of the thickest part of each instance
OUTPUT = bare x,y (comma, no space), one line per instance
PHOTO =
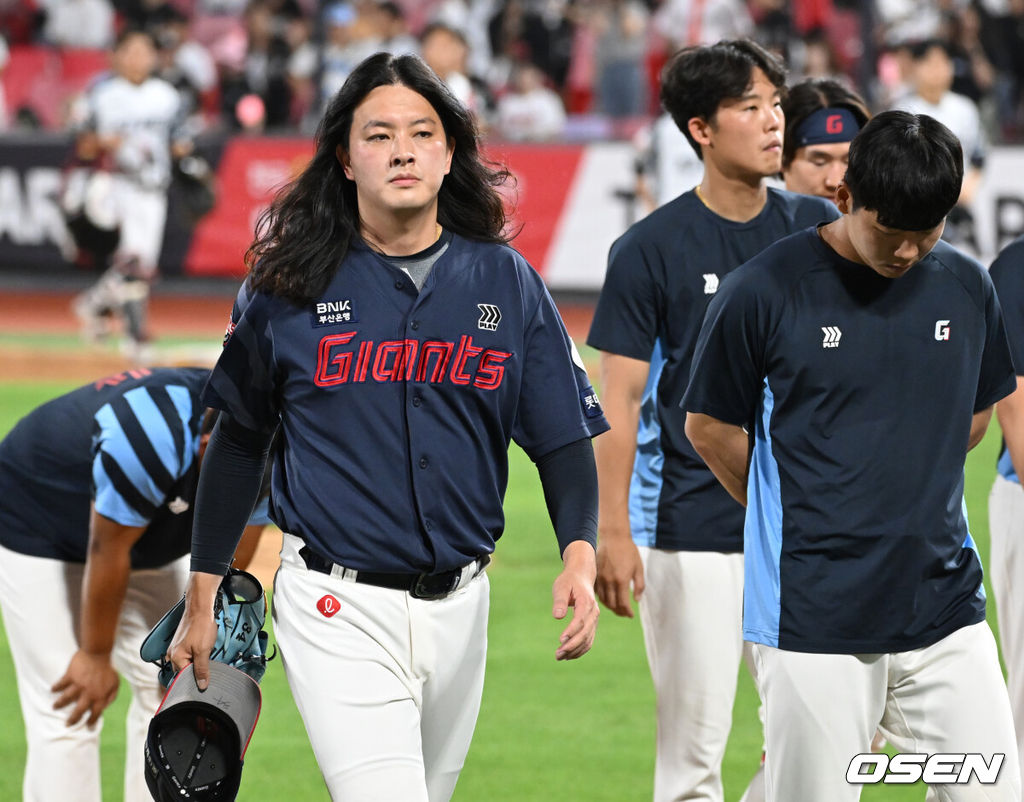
143,443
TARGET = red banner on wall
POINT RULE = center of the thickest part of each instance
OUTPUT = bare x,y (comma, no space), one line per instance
252,170
544,174
249,173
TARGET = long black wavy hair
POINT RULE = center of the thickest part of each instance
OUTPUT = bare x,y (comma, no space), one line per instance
303,236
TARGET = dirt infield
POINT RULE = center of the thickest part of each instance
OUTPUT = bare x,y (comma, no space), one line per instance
37,312
25,316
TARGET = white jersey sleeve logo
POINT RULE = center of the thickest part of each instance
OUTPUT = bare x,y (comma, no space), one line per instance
177,506
710,283
832,335
941,329
490,317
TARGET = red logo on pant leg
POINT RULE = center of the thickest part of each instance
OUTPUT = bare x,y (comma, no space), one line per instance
328,606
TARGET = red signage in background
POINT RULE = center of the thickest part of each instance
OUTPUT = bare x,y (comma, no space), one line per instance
252,170
249,173
544,174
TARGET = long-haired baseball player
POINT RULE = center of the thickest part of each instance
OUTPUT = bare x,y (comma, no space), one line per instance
400,345
97,491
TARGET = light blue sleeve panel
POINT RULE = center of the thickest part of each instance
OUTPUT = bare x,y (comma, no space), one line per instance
138,454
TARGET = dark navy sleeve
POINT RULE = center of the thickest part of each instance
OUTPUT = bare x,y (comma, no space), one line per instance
568,476
233,470
1007,274
142,445
727,373
243,381
557,403
996,378
629,307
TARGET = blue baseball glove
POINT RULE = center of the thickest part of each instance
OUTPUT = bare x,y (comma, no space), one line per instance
240,610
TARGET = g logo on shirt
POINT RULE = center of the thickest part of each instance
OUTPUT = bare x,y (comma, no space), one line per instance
941,329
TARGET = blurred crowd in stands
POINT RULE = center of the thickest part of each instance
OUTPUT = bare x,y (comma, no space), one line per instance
532,70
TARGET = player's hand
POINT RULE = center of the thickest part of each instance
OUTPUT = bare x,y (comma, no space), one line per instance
574,587
90,684
619,567
192,643
197,633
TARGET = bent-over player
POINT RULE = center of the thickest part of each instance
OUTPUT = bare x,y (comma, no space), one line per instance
863,358
666,526
399,344
97,489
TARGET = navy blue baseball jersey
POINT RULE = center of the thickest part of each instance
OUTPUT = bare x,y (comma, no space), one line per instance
859,392
1007,274
661,275
397,407
128,443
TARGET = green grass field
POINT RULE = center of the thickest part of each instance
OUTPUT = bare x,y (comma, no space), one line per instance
576,732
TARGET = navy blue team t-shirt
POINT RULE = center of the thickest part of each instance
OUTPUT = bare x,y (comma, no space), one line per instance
397,407
859,391
127,443
1007,274
661,275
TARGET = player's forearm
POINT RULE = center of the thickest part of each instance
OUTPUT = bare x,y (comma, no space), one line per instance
979,425
725,448
200,593
623,381
105,583
569,480
1010,412
615,452
229,484
580,557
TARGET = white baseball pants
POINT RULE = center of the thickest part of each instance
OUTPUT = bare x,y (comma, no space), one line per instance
142,212
692,611
822,709
41,600
388,686
1006,572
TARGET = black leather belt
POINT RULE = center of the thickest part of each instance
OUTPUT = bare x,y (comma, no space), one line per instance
419,586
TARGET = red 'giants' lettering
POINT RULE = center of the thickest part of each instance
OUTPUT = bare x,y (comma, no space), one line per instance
434,361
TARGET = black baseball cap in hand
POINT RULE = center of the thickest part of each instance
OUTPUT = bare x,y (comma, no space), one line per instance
197,739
